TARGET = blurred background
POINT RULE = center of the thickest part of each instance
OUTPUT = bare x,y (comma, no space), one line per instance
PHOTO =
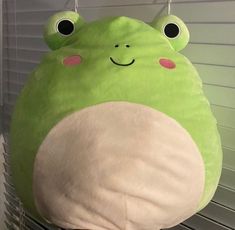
211,49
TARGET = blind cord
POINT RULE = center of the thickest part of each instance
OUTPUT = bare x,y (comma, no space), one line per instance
76,6
169,7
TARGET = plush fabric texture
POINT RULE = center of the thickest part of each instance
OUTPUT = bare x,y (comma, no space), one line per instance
131,168
116,59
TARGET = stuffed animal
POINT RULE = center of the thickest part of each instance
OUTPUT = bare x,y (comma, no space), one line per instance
112,130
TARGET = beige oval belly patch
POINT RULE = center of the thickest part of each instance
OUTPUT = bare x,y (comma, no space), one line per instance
118,165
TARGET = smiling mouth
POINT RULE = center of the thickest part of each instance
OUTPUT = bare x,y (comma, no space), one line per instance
114,62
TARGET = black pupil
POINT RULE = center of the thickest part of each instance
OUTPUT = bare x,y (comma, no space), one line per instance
65,27
171,30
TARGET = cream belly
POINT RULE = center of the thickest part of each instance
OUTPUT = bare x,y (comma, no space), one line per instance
118,165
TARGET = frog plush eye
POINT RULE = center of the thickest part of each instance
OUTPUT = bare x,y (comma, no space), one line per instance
61,27
171,30
174,30
65,27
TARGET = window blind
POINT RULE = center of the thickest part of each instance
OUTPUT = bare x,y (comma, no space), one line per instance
211,49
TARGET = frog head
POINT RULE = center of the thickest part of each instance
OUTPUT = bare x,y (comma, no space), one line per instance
111,129
68,29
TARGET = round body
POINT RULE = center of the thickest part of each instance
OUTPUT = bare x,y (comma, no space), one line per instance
125,66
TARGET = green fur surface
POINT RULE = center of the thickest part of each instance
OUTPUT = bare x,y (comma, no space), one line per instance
54,90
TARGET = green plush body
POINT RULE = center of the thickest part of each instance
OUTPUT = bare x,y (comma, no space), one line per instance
54,90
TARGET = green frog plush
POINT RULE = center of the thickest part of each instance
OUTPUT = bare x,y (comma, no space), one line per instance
112,130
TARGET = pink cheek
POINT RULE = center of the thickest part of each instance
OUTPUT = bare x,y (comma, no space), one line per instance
167,63
72,60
